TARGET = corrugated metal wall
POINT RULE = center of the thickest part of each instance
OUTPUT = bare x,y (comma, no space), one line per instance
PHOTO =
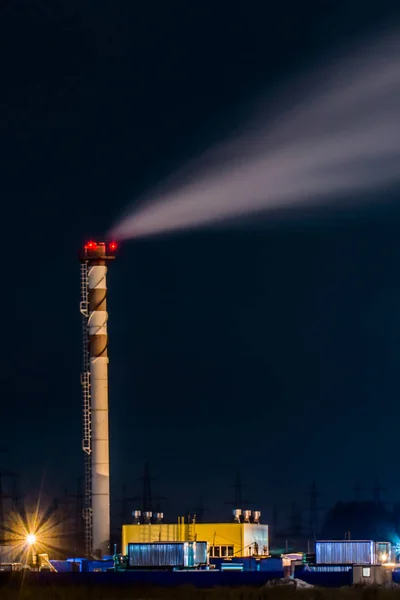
156,555
345,552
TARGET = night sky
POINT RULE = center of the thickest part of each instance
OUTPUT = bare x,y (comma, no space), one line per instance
271,349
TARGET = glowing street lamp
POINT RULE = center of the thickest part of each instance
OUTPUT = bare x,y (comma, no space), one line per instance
31,539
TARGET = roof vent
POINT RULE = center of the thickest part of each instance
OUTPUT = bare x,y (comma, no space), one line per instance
136,514
147,515
246,516
237,513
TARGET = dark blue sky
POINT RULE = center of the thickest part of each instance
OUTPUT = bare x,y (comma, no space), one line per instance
274,351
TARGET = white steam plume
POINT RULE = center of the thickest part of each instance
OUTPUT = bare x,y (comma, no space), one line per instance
344,137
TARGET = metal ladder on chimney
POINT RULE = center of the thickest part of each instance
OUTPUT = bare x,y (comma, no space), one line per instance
87,422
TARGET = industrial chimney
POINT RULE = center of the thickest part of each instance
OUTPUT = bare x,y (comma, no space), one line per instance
94,261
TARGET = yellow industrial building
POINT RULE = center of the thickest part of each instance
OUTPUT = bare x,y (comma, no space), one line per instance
224,539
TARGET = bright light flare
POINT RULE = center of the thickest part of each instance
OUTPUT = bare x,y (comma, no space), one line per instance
43,530
31,539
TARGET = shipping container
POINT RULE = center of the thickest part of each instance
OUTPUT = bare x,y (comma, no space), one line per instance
352,552
167,555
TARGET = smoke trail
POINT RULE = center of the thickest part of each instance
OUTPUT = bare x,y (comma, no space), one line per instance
342,138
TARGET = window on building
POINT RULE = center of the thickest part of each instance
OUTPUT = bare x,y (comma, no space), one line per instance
221,551
366,572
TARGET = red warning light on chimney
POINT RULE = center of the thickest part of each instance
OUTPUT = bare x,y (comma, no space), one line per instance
91,245
113,246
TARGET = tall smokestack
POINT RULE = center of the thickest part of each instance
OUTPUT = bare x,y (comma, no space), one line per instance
97,534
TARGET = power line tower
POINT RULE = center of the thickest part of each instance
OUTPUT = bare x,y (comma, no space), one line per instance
314,510
200,510
296,525
17,496
275,520
238,491
63,506
77,499
238,501
4,496
124,502
147,499
376,492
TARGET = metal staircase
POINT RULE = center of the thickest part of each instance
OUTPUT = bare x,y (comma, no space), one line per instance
87,424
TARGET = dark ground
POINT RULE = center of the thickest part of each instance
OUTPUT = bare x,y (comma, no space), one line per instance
25,588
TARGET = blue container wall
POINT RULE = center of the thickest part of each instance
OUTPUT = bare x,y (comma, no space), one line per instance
198,579
252,564
98,566
396,575
88,566
65,566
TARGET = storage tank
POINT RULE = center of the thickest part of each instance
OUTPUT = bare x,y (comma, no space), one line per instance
349,552
167,555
